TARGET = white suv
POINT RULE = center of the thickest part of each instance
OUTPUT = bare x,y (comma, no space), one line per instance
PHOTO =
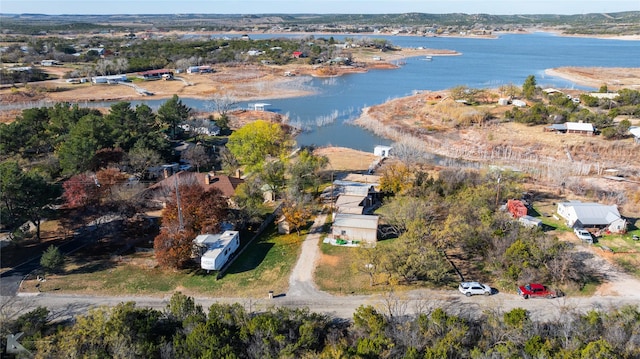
472,288
583,234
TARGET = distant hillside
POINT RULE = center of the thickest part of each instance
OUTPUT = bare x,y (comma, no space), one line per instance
621,23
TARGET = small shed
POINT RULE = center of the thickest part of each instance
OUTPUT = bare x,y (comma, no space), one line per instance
529,221
382,151
516,208
355,227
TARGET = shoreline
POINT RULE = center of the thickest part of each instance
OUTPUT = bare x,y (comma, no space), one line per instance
255,82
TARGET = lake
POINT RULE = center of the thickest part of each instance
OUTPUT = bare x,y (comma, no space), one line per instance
484,63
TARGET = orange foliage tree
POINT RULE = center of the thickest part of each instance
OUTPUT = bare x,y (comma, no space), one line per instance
297,215
202,212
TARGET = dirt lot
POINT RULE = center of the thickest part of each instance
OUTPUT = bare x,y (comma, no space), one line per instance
614,77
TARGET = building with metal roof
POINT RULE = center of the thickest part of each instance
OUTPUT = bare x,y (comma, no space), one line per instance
355,227
592,215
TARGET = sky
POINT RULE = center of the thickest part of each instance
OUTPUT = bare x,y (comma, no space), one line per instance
494,7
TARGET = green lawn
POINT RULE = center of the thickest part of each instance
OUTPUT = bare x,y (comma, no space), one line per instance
626,251
336,271
265,265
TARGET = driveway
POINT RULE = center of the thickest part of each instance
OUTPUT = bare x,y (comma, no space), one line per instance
301,282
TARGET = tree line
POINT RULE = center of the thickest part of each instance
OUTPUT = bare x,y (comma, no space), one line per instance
132,54
185,330
87,150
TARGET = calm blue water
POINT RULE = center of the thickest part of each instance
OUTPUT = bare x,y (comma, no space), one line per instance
483,63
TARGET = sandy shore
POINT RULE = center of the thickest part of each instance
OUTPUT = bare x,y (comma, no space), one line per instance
614,77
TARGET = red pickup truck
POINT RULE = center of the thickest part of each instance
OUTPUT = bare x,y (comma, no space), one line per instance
535,290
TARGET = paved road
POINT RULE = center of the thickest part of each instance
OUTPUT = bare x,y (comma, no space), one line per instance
304,293
10,280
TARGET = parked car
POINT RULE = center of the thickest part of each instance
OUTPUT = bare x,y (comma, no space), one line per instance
583,235
536,290
473,288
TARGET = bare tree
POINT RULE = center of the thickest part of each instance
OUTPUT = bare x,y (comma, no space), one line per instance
196,156
224,103
121,65
104,67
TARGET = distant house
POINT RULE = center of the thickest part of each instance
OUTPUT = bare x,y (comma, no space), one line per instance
355,227
210,130
109,79
297,54
155,74
98,50
214,250
592,215
580,128
199,69
572,127
551,90
49,63
20,69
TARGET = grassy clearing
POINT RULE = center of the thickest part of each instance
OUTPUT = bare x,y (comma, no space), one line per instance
264,266
336,272
626,251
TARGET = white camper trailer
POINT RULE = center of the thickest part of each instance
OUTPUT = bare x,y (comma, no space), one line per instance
216,249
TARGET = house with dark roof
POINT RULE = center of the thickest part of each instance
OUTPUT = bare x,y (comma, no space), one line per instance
159,193
155,74
592,215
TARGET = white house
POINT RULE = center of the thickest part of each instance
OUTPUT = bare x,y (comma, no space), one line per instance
216,249
108,79
592,215
355,227
580,127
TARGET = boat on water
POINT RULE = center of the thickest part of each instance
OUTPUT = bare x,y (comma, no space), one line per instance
428,58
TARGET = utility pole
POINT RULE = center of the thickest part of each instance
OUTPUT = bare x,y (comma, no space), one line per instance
181,223
498,193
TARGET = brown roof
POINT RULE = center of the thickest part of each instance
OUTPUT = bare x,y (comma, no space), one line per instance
227,185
